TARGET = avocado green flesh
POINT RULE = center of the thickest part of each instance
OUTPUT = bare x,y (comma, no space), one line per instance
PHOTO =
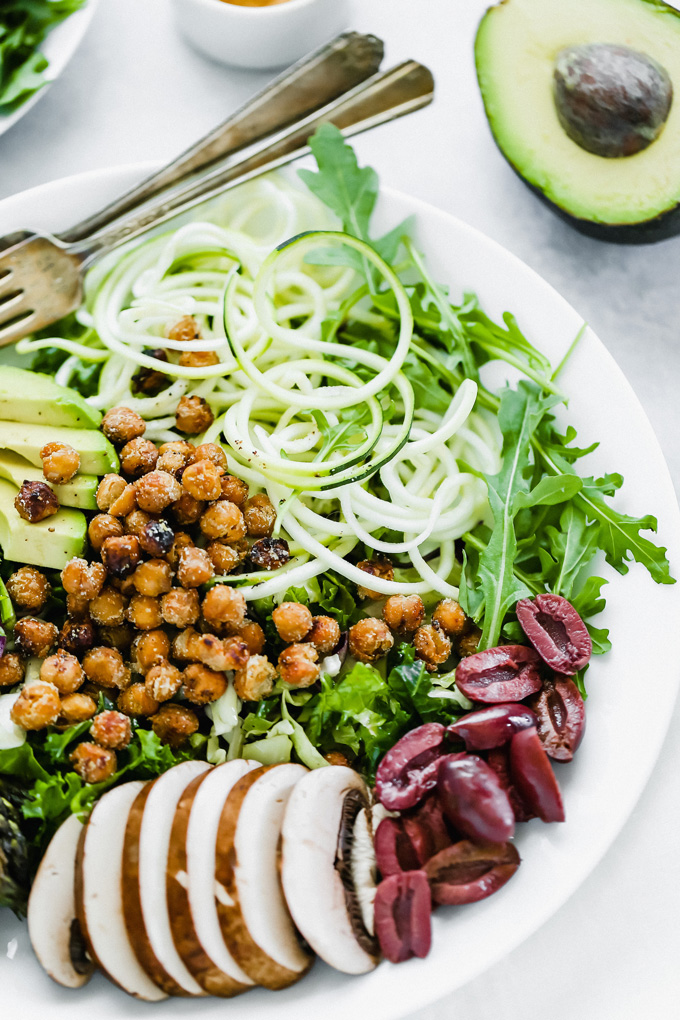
50,543
38,400
97,455
80,492
515,50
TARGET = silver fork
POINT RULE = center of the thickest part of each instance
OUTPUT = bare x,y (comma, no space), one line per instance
41,275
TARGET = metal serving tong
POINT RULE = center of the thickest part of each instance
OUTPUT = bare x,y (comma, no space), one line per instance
41,275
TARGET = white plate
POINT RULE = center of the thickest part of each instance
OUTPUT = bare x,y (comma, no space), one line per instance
59,46
632,689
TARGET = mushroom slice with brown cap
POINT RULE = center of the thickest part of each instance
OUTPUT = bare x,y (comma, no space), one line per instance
325,858
145,863
52,925
191,881
255,921
99,893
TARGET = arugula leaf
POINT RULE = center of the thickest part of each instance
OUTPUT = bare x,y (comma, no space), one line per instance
23,27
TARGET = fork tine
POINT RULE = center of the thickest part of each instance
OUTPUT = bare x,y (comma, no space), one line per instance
17,325
7,282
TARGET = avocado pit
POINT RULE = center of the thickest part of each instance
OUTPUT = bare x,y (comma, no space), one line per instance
611,100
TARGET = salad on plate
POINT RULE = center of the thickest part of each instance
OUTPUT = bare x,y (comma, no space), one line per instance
299,602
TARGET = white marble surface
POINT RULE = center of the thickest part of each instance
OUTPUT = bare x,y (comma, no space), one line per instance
135,92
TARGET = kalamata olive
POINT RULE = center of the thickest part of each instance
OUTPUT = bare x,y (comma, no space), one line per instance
393,849
493,726
507,673
409,769
498,759
402,916
556,631
532,774
611,100
561,717
473,799
426,828
467,872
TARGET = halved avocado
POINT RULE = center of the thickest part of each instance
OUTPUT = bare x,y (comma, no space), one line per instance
520,43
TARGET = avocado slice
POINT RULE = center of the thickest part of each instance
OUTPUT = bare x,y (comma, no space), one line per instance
97,455
37,399
50,543
630,199
80,492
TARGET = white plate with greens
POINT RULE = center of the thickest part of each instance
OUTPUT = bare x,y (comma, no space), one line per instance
41,64
609,772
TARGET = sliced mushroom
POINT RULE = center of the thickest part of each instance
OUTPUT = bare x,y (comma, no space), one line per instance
145,863
319,868
191,884
52,925
99,893
255,920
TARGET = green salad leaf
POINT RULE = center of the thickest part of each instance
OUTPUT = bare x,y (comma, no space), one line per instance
23,27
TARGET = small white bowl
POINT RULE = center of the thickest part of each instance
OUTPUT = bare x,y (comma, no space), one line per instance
260,37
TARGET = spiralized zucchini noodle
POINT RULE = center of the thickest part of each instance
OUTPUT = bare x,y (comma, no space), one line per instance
326,425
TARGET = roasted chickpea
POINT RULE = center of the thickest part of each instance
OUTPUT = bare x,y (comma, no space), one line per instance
60,462
223,520
194,567
173,457
376,568
77,707
37,706
370,639
180,607
184,330
219,654
34,637
404,613
193,415
256,680
202,685
120,425
77,635
202,480
76,606
119,637
108,608
105,667
136,521
233,489
180,541
293,621
156,538
150,381
469,642
35,501
157,490
144,612
148,649
163,681
92,763
109,489
336,758
260,515
224,606
450,617
28,588
198,359
187,510
174,724
210,451
82,578
101,527
125,585
126,502
186,644
63,670
136,700
298,665
111,729
269,553
253,637
11,669
121,555
138,457
324,635
432,645
225,557
153,578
